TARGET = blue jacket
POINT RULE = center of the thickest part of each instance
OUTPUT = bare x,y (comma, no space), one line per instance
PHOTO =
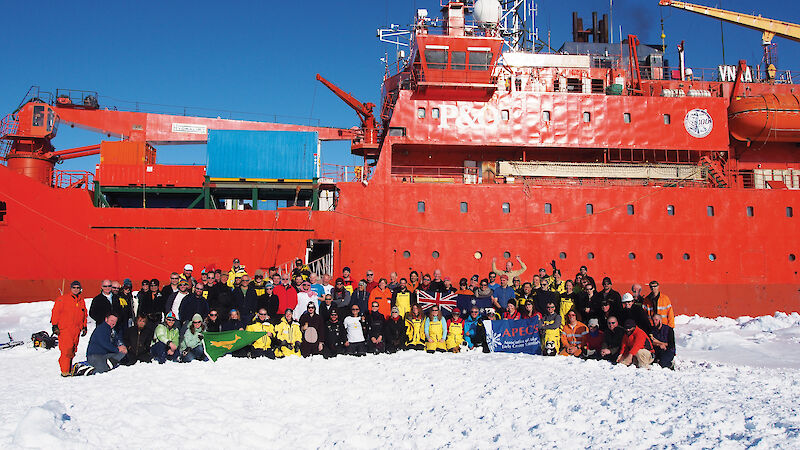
470,325
192,305
102,341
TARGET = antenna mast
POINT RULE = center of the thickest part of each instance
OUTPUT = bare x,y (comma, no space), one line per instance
517,24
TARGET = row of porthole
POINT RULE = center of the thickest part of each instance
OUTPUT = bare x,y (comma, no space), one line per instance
548,209
590,255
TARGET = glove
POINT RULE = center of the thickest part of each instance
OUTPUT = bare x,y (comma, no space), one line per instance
83,331
55,330
296,346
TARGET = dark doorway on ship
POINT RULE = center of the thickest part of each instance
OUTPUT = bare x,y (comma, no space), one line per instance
319,255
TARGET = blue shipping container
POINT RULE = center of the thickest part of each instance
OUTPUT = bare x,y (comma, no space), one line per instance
261,154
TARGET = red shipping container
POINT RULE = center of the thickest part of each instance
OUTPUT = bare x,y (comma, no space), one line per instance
127,152
153,175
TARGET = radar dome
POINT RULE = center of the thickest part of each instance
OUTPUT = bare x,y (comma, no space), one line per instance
487,11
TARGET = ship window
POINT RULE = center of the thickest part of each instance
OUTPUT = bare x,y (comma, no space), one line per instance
589,208
50,119
406,254
38,116
630,210
434,113
504,114
546,116
458,60
712,257
562,255
477,255
464,207
631,255
506,255
435,254
397,131
479,60
2,211
590,255
686,256
659,256
666,119
436,58
587,116
789,211
670,210
421,207
597,86
574,85
557,85
626,117
750,211
548,208
506,208
792,257
420,113
710,211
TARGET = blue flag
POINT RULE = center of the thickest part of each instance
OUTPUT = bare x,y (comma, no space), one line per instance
514,336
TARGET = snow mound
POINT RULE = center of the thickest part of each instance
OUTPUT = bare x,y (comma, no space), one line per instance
45,426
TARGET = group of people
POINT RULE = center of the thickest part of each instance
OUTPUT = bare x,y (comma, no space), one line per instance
303,313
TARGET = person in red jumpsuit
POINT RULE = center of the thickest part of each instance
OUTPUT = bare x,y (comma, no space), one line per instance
69,324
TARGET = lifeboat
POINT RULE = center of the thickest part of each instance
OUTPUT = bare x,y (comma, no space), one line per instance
765,118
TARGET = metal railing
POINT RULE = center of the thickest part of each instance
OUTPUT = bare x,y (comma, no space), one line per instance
8,126
73,179
343,174
433,174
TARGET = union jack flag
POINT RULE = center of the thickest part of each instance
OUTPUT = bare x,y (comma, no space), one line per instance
426,300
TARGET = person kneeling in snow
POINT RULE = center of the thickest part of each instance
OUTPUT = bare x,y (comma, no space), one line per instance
288,335
262,346
165,343
138,339
663,337
104,346
636,347
192,342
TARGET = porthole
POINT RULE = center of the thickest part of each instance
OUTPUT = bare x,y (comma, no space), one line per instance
477,255
590,255
686,257
406,254
548,208
506,208
712,257
792,257
631,256
659,256
562,255
506,255
589,208
435,254
464,207
670,210
630,210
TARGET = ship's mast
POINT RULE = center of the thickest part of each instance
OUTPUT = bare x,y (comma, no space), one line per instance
517,24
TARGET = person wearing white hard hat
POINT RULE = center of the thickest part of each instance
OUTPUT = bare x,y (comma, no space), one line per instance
635,312
187,274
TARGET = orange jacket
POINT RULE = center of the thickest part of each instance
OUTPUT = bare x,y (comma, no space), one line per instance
384,299
664,309
632,343
69,313
574,336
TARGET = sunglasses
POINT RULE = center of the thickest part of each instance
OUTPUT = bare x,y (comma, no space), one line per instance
196,321
212,315
170,320
106,285
353,309
262,314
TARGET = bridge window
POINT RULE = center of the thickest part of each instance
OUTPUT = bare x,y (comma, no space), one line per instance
458,60
597,86
626,117
436,58
574,85
479,59
38,116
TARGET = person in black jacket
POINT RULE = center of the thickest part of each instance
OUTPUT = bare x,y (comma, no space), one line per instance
335,336
269,301
192,304
159,303
612,340
611,295
326,306
663,337
102,303
234,322
632,311
221,298
172,287
394,331
123,307
138,339
245,299
311,344
214,321
374,325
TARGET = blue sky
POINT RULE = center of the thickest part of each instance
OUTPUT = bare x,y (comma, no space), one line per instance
261,57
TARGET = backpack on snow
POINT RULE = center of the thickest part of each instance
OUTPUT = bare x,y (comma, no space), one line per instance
44,340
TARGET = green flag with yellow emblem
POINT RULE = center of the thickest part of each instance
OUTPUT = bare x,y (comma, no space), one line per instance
219,344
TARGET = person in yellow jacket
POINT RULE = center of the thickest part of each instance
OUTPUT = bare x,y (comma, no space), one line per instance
263,346
415,334
557,284
657,302
401,298
435,329
550,331
455,332
573,336
237,270
288,336
566,300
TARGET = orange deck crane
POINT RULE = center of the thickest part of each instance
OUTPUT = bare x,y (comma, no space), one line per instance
368,146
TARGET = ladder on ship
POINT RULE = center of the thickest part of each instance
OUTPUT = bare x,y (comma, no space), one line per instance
716,173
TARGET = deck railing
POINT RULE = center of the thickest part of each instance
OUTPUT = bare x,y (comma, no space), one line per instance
73,179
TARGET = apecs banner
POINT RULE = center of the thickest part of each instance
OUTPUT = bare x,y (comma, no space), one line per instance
514,336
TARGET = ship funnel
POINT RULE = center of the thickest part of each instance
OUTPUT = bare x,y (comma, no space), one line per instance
487,12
